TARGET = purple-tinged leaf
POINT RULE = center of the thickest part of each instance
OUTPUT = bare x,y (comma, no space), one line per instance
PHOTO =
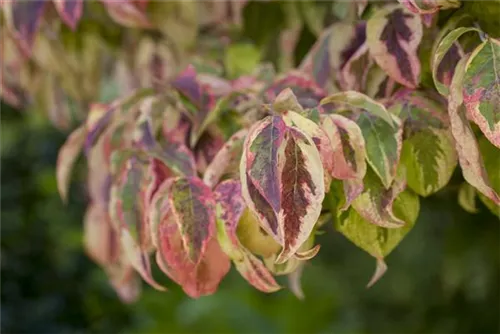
308,93
282,181
334,48
447,48
348,147
130,13
139,259
155,63
354,73
230,209
466,144
393,36
302,191
70,11
481,89
24,19
226,159
66,158
192,204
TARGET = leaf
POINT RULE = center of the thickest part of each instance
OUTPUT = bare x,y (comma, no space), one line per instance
176,156
139,259
308,93
383,144
203,279
428,151
194,223
129,13
491,156
254,238
354,72
375,204
393,36
430,159
294,279
348,146
445,47
193,206
99,238
466,144
481,89
282,181
334,48
230,208
287,101
359,100
467,197
375,240
70,11
228,156
429,7
66,159
241,59
24,17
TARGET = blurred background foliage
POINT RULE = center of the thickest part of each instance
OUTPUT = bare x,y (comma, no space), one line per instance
443,278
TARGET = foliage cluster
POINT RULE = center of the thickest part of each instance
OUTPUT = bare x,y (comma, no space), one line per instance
232,161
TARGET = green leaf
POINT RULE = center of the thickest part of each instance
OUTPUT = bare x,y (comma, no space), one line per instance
375,240
491,156
241,59
430,159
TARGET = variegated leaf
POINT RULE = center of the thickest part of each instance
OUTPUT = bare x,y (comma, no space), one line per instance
348,146
428,151
66,158
192,206
481,87
446,48
70,11
375,240
226,159
375,204
126,212
393,37
466,144
154,63
282,181
176,156
230,208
